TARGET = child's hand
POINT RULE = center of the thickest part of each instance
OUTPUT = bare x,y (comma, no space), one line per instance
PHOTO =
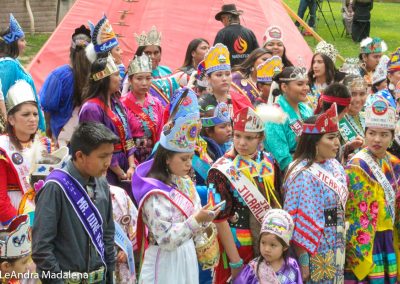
121,257
305,273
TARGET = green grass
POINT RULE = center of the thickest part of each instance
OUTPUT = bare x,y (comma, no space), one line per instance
34,44
384,23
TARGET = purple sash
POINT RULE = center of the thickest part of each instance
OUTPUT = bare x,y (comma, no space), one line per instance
84,208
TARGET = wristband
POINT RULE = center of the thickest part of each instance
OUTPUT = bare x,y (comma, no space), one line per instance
236,265
304,259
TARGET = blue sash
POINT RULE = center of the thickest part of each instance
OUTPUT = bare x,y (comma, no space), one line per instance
122,241
84,208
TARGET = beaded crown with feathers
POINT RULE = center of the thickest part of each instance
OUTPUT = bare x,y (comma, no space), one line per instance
103,39
372,45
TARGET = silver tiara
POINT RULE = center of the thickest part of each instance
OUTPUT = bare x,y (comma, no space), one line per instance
298,74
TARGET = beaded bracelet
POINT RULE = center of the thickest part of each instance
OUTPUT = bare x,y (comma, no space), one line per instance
236,265
304,259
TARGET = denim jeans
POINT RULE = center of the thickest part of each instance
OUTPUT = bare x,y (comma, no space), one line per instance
312,6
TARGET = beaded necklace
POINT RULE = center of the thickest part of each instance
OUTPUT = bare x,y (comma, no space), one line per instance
150,112
122,117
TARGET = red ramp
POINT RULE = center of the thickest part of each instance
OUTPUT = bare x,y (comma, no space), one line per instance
179,21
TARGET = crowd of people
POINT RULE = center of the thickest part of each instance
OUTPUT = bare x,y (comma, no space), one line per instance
239,167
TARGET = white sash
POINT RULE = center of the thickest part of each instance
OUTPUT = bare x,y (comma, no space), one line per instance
330,181
178,199
19,161
390,194
256,202
327,178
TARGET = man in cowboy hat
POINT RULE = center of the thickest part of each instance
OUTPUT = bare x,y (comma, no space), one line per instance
239,40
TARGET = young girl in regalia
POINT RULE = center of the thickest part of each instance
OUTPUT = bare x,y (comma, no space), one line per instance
274,265
242,172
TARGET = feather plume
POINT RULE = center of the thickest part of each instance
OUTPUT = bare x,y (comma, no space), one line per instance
90,53
365,41
384,46
271,113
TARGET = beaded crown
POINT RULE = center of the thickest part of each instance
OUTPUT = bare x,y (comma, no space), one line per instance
326,122
394,62
372,45
153,37
140,64
15,33
269,68
217,59
273,33
103,36
327,49
279,223
110,68
15,241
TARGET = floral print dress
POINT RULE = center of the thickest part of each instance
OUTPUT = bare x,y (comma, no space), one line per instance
125,213
171,255
319,221
372,254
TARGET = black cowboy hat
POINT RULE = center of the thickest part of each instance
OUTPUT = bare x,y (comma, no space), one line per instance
228,9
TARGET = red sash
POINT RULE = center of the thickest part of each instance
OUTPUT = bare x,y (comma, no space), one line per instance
137,110
115,120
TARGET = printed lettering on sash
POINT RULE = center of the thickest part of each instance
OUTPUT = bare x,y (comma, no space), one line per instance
329,180
296,127
256,202
85,210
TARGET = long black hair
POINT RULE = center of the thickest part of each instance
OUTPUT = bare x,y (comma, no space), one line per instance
306,147
159,169
80,64
285,60
284,74
246,67
97,89
8,49
193,45
330,69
